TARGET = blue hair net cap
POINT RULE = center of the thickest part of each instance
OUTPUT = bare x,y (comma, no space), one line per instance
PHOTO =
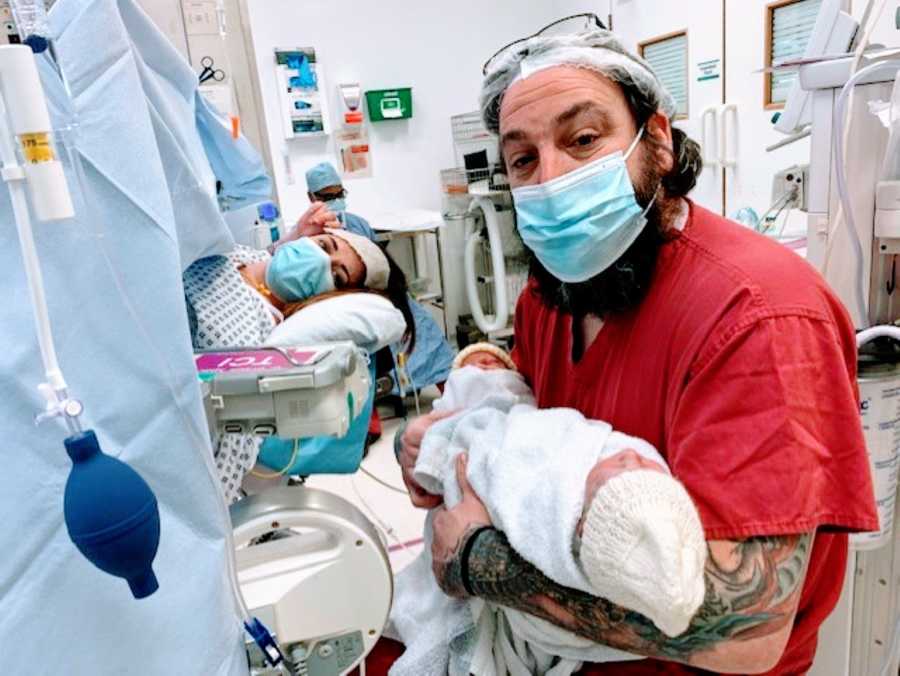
323,175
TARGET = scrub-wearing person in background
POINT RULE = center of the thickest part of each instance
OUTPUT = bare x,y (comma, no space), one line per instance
324,185
724,350
430,361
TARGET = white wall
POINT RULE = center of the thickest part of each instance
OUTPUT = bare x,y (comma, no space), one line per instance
166,14
885,31
435,48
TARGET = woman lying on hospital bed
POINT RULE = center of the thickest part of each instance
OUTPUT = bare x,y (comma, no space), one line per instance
303,293
237,300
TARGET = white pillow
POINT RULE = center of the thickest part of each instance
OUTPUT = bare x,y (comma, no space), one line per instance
369,320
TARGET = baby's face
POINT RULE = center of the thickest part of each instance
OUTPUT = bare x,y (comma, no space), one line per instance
623,461
485,361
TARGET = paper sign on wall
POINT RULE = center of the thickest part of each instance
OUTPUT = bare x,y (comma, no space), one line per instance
352,139
709,70
353,152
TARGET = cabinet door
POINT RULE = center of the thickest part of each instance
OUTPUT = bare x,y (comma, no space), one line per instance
748,128
640,24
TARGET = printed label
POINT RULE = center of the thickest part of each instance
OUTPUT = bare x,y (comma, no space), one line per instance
251,361
36,148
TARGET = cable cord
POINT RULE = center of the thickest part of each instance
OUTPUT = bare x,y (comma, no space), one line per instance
385,528
779,204
284,470
384,483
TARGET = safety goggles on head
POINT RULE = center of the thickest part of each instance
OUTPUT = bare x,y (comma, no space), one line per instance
569,24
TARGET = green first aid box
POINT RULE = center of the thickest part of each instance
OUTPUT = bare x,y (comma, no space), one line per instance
389,104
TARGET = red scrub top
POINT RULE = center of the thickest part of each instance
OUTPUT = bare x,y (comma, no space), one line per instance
740,367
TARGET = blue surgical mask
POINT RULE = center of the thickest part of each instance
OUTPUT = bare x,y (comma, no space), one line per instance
580,223
337,204
299,270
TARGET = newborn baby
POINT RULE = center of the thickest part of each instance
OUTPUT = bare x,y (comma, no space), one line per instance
634,510
629,534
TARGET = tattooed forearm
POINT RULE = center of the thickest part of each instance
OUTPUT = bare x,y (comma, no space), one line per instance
752,588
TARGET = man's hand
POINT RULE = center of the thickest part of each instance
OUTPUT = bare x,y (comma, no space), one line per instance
408,453
452,528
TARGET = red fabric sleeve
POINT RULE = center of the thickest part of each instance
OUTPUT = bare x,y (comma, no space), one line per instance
519,352
766,434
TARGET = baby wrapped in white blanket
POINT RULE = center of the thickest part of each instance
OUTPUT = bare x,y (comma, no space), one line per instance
639,543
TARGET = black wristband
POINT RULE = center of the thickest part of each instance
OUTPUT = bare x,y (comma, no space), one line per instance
464,559
398,439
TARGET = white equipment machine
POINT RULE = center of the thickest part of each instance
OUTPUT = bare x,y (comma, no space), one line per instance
296,392
853,236
489,224
310,565
480,228
324,591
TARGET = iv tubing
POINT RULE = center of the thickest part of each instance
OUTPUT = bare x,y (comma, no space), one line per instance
841,176
14,176
201,441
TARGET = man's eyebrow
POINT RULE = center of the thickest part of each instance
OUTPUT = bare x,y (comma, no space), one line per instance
512,135
581,108
566,116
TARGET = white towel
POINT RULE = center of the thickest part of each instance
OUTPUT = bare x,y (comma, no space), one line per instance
468,388
515,454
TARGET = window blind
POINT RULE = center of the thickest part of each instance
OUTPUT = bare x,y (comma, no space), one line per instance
669,60
791,27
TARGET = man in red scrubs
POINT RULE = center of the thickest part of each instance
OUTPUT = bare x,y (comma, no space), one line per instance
721,348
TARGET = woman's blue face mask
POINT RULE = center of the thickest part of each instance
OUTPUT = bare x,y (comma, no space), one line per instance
299,270
580,223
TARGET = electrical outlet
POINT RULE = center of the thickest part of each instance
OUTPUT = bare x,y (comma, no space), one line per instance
789,187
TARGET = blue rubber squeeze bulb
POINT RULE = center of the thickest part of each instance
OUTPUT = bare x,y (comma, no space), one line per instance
111,514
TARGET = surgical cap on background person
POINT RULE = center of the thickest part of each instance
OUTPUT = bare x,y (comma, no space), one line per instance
323,175
597,50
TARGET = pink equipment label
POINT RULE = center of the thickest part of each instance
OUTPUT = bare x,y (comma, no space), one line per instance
249,361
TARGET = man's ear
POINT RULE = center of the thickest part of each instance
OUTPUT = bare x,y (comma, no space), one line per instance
659,128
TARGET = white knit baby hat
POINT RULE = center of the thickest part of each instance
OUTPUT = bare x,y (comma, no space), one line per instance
643,548
490,348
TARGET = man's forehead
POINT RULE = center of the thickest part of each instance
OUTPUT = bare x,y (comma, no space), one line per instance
559,94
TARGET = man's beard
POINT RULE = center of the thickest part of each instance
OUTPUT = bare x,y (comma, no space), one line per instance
623,285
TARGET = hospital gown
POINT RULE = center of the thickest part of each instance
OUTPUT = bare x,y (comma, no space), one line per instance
224,312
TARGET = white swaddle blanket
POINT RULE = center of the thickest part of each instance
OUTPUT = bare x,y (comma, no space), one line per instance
514,466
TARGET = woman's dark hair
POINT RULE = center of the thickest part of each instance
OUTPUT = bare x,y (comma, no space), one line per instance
397,292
